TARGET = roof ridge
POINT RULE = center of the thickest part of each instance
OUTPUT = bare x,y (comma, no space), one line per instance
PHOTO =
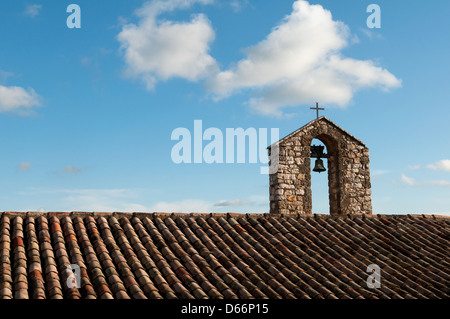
129,214
211,214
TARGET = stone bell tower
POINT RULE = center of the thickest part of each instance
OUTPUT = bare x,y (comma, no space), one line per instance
348,171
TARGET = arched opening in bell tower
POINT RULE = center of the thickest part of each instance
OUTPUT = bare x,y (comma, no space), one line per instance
319,180
325,186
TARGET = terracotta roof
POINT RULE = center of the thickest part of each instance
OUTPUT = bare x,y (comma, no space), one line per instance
228,256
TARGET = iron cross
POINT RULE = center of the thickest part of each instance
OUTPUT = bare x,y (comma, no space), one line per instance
317,108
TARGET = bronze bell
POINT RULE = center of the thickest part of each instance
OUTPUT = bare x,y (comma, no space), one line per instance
318,167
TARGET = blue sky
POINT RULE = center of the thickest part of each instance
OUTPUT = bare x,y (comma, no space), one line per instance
86,115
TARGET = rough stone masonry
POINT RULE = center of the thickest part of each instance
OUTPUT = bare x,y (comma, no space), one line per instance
348,171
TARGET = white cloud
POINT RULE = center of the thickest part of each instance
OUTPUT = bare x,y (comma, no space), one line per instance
409,180
123,200
238,5
89,200
371,34
157,50
33,10
183,206
443,165
437,183
299,62
259,200
414,167
107,200
72,169
412,182
86,61
4,75
380,172
202,206
233,202
17,99
24,166
157,7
